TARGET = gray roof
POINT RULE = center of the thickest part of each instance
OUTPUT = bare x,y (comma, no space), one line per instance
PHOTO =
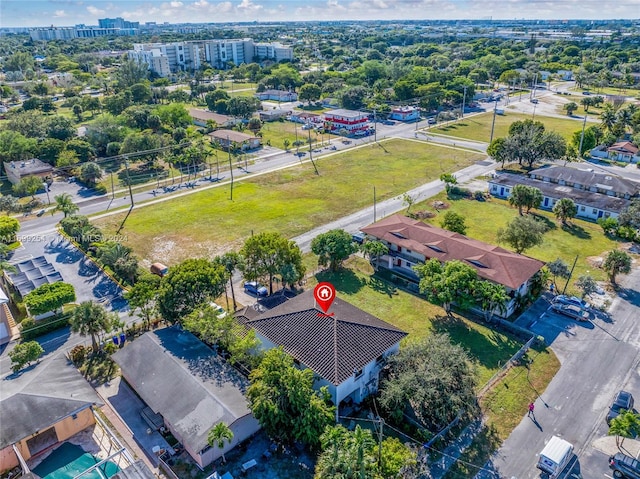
39,397
33,166
588,178
178,376
332,346
137,470
345,113
554,190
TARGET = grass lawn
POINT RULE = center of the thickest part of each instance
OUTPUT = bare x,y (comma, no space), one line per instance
584,239
355,284
290,201
277,131
479,127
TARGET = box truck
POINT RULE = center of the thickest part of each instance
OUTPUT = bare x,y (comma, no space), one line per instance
555,456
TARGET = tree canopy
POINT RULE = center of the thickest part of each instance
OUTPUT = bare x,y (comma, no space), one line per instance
527,144
444,284
617,262
333,247
433,377
49,297
525,197
522,233
281,397
91,319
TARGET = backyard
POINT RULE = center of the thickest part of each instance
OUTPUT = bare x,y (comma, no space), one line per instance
291,201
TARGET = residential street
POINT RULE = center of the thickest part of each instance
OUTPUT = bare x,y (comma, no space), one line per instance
598,359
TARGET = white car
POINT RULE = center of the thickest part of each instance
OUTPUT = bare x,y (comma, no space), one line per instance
219,310
571,310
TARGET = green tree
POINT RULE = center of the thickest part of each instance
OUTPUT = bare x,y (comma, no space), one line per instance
408,201
282,399
453,221
188,285
24,354
609,225
266,254
617,262
14,146
432,376
444,284
77,111
90,173
9,227
570,108
218,435
630,215
65,204
522,233
28,186
558,269
374,249
491,297
333,248
565,209
231,262
143,295
523,196
449,180
61,128
309,92
625,425
587,285
67,158
529,143
130,73
174,115
10,204
91,319
49,297
347,454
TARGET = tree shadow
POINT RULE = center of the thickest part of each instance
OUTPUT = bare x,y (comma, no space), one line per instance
630,295
344,280
548,223
381,286
577,231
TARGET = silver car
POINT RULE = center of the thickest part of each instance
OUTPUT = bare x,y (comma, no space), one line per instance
571,310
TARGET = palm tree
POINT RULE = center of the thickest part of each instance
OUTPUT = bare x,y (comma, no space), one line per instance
375,249
627,424
91,319
218,435
231,261
608,117
64,203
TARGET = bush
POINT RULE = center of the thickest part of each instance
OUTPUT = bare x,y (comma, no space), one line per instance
479,196
627,233
32,329
78,354
49,297
24,354
101,189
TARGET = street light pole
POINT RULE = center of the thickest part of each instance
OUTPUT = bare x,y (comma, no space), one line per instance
582,136
493,122
464,99
230,166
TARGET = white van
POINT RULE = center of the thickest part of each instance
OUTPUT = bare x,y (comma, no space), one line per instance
555,456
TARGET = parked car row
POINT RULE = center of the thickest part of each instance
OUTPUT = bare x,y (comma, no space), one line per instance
572,307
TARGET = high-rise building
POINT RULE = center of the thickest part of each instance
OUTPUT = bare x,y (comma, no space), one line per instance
117,22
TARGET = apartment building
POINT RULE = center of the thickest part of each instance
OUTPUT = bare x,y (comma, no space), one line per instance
181,56
79,31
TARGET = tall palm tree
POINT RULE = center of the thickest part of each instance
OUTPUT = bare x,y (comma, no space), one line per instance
627,424
231,261
219,435
64,203
91,319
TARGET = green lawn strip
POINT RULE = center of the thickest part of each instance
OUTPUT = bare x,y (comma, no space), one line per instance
290,201
504,407
413,314
277,131
478,127
583,239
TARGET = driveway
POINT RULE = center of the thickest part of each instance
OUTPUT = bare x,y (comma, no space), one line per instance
598,359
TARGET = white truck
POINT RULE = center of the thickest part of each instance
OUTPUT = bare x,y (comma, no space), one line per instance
555,457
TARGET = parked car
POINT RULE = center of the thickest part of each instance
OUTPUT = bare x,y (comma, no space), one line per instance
624,466
622,401
159,269
534,100
561,298
255,288
388,122
221,312
431,121
358,237
571,310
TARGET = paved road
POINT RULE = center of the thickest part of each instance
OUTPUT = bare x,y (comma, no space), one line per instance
598,359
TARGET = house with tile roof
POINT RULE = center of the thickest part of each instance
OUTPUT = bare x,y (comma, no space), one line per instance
345,348
412,242
596,195
190,386
621,151
235,139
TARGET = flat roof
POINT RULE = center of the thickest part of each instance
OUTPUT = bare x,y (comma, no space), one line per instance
556,449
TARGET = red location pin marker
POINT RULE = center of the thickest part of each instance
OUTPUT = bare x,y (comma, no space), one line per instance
324,294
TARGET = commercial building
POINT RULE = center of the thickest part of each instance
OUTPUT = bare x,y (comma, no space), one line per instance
350,120
16,170
108,27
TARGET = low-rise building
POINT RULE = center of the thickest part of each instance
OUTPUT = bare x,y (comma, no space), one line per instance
350,120
202,117
346,349
405,113
235,139
191,387
596,195
17,170
277,95
621,151
412,242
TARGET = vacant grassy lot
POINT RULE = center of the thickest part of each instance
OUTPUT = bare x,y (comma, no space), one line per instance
290,201
479,127
276,131
583,239
488,349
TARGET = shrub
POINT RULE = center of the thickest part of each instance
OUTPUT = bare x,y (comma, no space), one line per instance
49,297
78,354
479,196
24,354
32,329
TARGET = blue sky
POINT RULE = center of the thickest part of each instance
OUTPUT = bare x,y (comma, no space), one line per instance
70,12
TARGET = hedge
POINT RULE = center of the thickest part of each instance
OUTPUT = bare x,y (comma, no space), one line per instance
49,297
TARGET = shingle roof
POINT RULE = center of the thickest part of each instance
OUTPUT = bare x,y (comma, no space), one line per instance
332,346
554,190
39,397
209,115
185,381
500,265
588,178
232,135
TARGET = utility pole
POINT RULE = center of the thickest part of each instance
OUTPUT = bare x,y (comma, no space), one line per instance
126,165
295,125
464,99
375,127
374,204
113,193
493,122
570,274
230,166
311,154
535,84
582,136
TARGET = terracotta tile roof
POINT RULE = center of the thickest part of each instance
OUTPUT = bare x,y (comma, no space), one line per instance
332,346
492,262
624,147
